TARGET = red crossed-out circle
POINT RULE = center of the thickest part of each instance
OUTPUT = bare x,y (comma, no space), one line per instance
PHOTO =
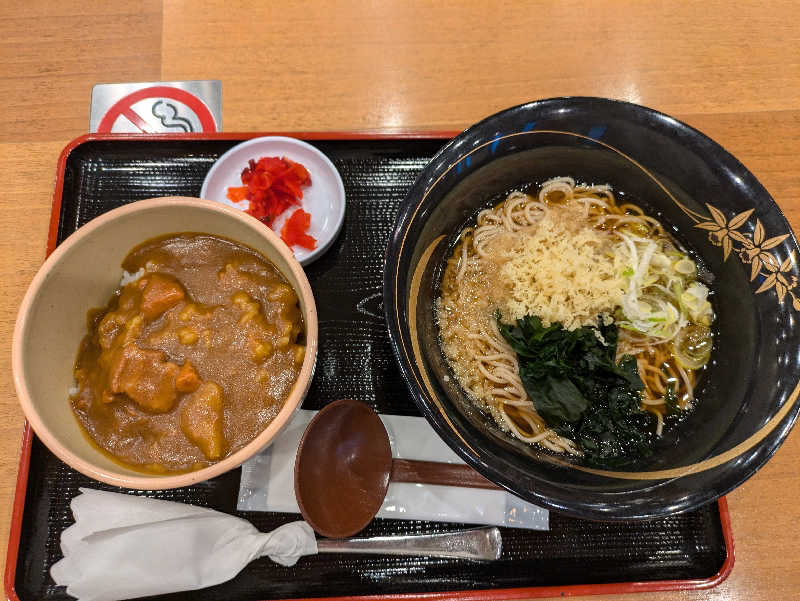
123,108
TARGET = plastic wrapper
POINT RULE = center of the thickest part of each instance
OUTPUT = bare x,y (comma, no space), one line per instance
267,482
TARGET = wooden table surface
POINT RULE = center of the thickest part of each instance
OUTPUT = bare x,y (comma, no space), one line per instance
730,69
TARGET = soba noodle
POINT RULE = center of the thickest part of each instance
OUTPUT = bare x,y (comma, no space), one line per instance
473,289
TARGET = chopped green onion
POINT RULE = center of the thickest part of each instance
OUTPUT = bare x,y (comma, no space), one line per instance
685,266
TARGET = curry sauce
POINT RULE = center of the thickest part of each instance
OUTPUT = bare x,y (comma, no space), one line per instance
192,360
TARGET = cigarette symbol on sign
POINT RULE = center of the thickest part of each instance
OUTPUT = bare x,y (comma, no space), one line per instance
161,109
166,103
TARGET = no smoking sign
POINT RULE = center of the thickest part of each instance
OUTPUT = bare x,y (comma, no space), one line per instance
157,107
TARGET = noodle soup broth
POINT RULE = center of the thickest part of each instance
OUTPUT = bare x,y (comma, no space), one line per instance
575,260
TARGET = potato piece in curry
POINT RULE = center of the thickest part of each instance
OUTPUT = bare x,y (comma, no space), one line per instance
191,361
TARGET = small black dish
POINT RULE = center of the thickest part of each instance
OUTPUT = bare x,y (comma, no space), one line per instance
747,398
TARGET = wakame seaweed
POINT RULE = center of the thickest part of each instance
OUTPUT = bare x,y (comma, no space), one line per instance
580,390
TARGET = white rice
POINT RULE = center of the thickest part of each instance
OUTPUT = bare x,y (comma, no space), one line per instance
128,277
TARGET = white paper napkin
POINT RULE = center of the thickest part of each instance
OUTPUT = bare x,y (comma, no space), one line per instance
123,546
267,482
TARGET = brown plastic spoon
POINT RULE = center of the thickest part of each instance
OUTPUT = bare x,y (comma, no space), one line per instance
344,465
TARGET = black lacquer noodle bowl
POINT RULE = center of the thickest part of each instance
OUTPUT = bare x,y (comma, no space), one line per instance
746,401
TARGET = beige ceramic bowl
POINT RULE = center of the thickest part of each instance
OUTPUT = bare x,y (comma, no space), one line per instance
82,273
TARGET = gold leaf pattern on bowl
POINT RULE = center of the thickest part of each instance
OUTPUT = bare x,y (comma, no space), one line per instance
750,250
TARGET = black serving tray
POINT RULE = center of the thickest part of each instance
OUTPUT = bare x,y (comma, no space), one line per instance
99,173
